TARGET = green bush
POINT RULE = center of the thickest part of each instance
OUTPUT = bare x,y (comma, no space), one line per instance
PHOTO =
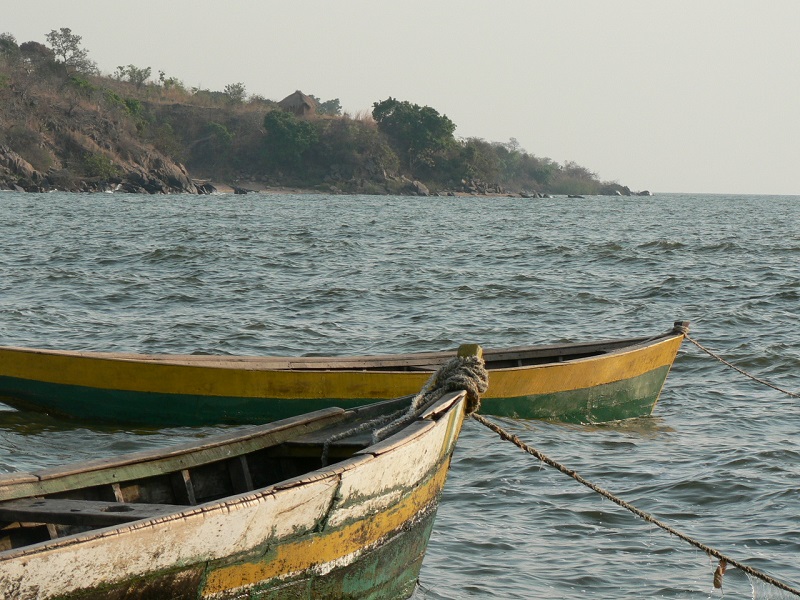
288,138
134,107
100,165
81,84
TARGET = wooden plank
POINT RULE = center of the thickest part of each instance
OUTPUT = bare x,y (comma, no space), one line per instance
239,471
117,489
211,448
91,513
155,462
356,440
441,405
183,487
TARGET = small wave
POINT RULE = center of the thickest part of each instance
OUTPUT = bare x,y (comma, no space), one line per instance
726,246
663,244
176,253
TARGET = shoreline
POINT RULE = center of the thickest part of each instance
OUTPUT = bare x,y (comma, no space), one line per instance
260,188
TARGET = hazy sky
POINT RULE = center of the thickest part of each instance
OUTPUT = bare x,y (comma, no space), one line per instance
678,96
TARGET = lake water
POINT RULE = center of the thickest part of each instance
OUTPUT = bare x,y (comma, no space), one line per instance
295,274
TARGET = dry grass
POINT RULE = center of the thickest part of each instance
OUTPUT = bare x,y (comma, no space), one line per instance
364,116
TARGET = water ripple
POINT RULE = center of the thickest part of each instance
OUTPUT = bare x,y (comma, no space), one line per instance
267,275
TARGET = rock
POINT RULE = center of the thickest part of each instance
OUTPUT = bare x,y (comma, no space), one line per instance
17,165
16,173
420,189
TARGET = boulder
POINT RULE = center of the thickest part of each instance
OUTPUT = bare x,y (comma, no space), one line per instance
155,174
16,173
419,188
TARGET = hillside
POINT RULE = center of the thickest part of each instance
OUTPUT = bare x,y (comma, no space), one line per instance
63,126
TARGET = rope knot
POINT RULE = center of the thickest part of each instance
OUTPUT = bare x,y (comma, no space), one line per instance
681,327
466,371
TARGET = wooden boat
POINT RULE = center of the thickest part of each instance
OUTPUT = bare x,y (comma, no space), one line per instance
247,514
589,382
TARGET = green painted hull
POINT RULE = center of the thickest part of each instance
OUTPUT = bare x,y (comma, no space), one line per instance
629,398
626,399
157,409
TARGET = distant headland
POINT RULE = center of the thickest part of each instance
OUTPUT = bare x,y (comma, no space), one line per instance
66,126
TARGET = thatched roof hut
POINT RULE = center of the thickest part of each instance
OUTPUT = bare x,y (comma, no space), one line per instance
299,104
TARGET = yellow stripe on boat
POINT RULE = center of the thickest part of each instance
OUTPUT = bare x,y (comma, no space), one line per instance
320,550
575,382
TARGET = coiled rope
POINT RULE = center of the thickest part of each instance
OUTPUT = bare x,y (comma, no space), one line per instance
724,560
734,367
466,371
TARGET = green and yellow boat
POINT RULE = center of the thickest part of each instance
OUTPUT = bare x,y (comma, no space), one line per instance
589,382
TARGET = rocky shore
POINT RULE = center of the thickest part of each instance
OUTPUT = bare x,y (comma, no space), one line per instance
148,173
152,173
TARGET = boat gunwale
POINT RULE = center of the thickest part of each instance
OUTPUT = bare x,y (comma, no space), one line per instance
422,424
421,360
641,344
323,417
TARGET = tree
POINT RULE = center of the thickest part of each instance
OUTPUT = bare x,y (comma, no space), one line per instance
36,51
170,82
133,74
213,150
329,107
36,56
288,138
479,160
235,92
417,131
8,44
67,49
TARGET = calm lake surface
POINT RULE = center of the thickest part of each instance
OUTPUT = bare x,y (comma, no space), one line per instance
296,274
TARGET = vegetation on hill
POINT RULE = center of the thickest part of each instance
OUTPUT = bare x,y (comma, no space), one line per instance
63,125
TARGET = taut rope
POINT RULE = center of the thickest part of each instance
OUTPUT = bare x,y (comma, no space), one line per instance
735,368
723,559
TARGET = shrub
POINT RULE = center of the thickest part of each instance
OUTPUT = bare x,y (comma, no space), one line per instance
288,138
100,165
134,107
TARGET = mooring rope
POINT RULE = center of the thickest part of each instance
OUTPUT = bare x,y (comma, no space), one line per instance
462,372
459,373
735,368
723,559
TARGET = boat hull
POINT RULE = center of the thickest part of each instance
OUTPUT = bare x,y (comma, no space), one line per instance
609,386
357,529
612,387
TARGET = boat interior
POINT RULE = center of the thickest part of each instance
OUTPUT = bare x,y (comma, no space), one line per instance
76,498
